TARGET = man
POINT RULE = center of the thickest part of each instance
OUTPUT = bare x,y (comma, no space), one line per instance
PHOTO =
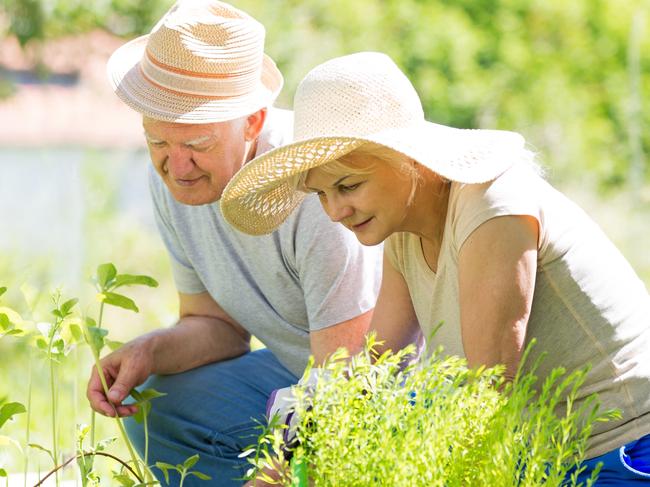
203,85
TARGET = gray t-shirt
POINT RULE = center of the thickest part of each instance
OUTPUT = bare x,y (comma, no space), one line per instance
307,275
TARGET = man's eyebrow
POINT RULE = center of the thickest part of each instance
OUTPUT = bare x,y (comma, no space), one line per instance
198,140
336,183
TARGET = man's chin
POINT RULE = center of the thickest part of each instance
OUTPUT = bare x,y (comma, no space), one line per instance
195,199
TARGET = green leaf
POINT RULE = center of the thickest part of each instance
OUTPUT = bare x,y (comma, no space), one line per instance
105,275
146,395
7,441
42,448
3,290
67,306
10,409
90,321
3,472
191,461
76,332
103,444
124,480
131,280
113,344
95,337
203,476
5,323
118,300
164,468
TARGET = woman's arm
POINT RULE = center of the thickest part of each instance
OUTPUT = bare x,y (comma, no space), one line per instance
497,271
394,318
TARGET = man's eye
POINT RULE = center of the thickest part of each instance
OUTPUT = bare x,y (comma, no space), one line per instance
157,143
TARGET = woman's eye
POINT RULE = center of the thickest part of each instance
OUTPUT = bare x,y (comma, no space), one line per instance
348,188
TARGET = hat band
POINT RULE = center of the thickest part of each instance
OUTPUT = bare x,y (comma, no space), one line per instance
200,84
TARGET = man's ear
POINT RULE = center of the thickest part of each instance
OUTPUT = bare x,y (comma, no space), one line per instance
254,124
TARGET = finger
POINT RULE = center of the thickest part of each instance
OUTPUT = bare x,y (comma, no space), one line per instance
127,378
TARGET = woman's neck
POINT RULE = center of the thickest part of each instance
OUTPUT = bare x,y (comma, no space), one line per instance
428,210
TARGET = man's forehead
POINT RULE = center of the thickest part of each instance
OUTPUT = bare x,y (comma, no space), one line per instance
157,128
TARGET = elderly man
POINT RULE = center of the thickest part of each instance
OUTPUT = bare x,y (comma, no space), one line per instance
204,87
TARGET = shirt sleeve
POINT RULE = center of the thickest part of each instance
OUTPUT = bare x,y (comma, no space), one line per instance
340,277
185,278
471,205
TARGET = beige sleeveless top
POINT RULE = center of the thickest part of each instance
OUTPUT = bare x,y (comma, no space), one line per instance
589,307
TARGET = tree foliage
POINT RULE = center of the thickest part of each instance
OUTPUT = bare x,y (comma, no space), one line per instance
571,76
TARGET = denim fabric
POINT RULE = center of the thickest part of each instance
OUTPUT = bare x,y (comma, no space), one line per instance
210,410
625,466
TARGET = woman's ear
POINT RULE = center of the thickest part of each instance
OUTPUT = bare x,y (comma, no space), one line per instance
254,124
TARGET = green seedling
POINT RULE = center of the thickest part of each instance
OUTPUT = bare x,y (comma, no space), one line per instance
184,470
107,281
432,423
143,400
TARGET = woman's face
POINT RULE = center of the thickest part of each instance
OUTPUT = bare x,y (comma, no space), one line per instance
373,205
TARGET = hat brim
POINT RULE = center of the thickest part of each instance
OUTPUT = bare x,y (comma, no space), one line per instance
261,195
141,95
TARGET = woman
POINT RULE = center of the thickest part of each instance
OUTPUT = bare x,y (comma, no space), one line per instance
474,238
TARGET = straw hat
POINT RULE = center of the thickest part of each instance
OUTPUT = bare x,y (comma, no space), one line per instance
341,105
203,62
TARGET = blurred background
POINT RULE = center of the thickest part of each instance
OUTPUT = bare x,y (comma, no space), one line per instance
573,77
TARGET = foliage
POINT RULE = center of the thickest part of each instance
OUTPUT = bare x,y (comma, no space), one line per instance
571,77
53,342
434,423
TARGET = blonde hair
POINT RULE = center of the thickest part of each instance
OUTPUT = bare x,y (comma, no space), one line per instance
348,164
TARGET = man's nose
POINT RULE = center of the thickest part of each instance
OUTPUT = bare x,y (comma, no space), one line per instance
179,162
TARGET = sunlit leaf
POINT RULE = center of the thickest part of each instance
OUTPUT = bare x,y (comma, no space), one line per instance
3,290
68,305
36,446
118,300
131,280
191,461
113,344
95,337
164,468
7,441
203,476
105,274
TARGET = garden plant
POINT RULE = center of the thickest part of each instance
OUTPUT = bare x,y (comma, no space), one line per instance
53,341
373,421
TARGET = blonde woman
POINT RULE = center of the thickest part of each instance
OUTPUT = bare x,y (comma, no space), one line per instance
474,237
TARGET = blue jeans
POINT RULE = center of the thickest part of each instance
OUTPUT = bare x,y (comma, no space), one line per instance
210,410
627,465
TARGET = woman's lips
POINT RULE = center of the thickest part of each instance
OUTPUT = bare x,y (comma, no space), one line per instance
362,225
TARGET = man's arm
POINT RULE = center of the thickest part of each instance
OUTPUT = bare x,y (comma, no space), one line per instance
204,334
349,334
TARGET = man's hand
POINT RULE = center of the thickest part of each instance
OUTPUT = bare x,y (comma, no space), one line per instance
124,369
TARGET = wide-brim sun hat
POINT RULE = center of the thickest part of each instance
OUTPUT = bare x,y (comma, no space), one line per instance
341,105
203,62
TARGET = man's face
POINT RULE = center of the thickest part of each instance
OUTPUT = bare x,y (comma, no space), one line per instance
196,161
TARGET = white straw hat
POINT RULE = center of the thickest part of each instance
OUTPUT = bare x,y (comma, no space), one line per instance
203,62
347,102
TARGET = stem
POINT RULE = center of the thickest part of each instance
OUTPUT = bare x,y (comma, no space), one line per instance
29,415
93,453
182,478
55,453
146,442
118,420
92,413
